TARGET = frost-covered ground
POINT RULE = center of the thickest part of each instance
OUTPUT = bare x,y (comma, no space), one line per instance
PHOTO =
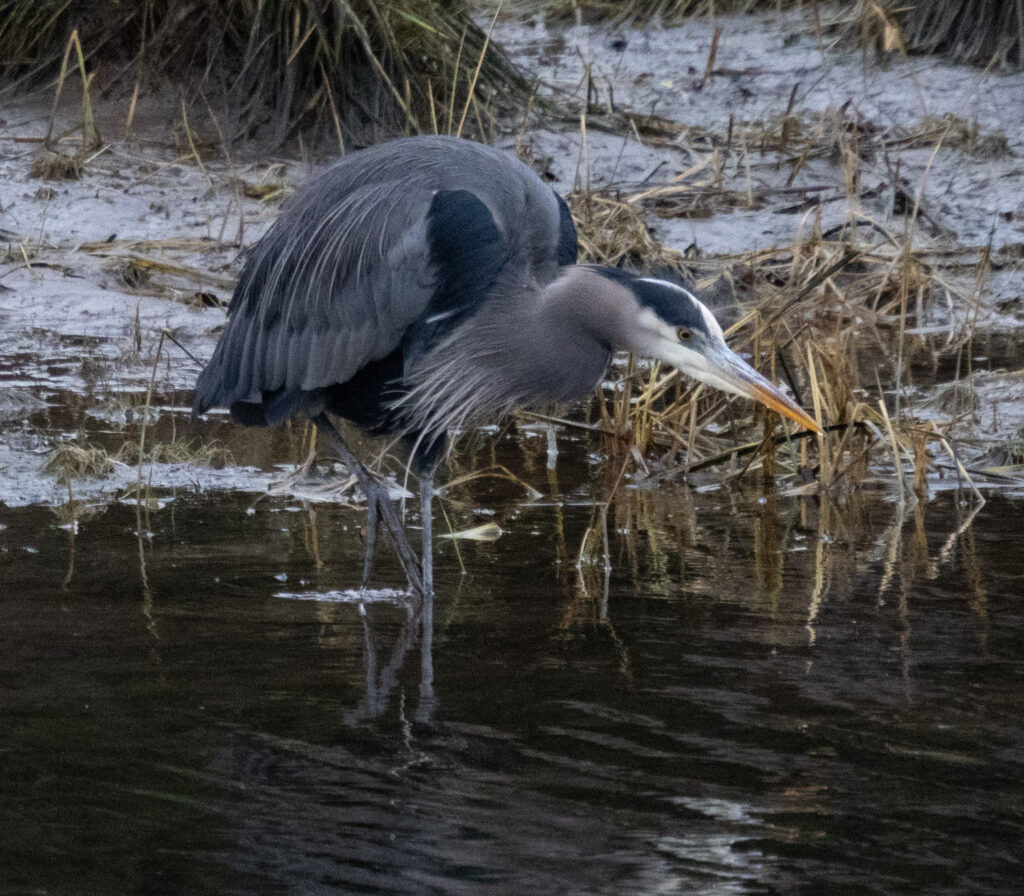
93,271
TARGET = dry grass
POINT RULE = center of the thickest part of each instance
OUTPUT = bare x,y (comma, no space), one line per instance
175,452
614,232
57,166
828,309
642,11
344,70
68,461
983,32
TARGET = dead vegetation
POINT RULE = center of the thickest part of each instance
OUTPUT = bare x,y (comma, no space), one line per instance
57,166
345,71
71,461
835,316
143,275
176,451
982,32
643,11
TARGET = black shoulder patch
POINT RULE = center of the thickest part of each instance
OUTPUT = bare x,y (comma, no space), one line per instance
568,245
467,252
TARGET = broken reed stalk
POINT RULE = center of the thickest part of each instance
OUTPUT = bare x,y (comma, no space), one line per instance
90,135
826,474
193,152
712,53
470,92
894,444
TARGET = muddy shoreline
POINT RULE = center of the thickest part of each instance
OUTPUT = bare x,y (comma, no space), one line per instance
148,239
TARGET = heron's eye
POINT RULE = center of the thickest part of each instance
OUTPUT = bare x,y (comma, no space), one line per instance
684,335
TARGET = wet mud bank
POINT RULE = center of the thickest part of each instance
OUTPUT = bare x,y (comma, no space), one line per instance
790,137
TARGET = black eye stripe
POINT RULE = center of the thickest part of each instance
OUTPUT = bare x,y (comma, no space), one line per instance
672,305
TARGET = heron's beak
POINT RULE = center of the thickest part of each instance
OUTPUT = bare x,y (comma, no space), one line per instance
728,371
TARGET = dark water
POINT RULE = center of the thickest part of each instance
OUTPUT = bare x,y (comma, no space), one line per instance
773,695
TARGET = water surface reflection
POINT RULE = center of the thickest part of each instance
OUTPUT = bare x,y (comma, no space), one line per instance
767,695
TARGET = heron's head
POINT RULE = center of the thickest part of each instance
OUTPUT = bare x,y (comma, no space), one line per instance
669,324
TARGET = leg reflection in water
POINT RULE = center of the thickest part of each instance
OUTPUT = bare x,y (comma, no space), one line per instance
384,667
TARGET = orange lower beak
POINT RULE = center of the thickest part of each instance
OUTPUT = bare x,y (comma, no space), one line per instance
730,372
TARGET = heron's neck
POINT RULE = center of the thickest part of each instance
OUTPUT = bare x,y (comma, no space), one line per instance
584,302
582,318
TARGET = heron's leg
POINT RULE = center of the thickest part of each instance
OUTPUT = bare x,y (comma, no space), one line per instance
427,517
380,509
427,453
371,540
425,711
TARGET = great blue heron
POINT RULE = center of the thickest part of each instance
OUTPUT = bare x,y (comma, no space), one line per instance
429,282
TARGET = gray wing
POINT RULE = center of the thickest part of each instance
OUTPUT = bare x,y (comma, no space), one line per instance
346,271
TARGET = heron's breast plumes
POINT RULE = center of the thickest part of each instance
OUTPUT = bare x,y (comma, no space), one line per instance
469,378
500,360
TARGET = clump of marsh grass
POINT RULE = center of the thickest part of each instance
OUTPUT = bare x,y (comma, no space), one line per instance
69,461
827,309
57,166
347,69
613,232
175,451
983,32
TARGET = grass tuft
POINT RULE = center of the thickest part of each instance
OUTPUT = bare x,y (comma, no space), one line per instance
344,70
642,11
57,166
69,462
983,32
